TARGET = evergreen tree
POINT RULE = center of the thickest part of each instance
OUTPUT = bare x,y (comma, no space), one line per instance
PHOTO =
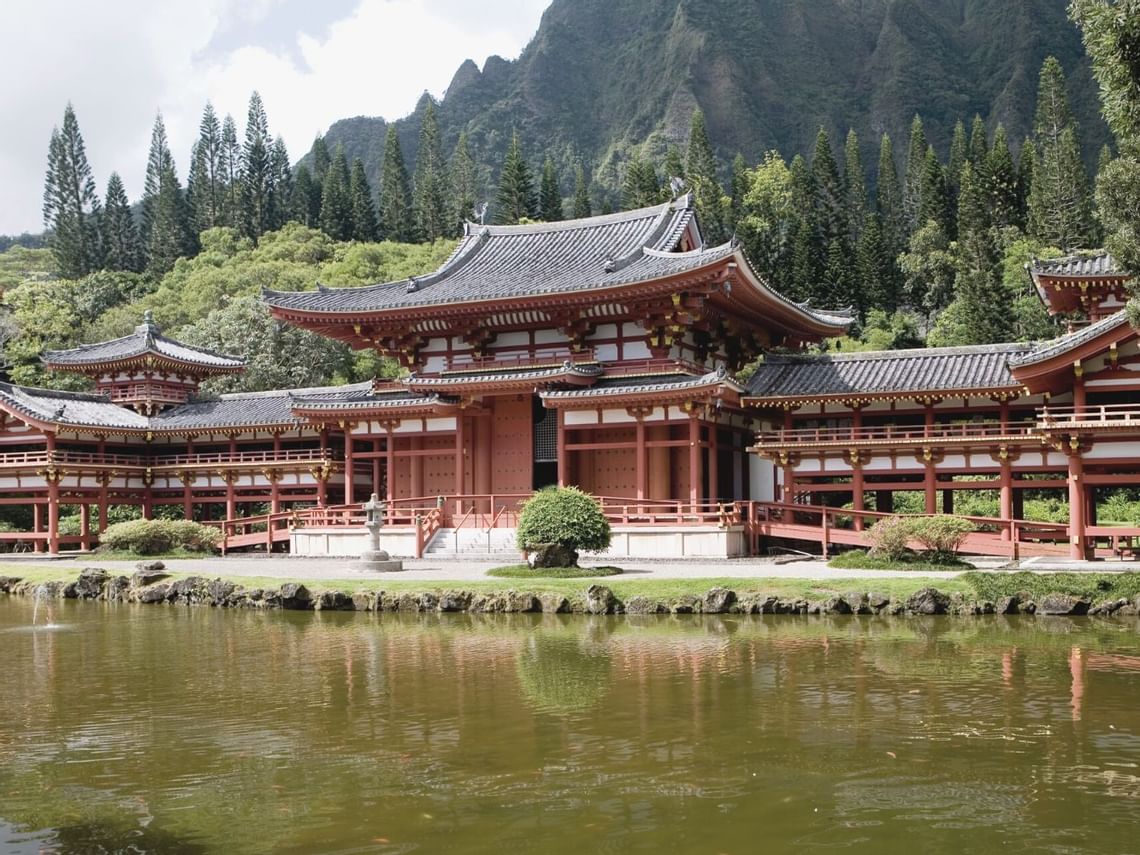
549,196
281,187
231,173
739,188
640,187
429,194
581,205
674,165
396,222
170,236
802,190
167,233
256,172
118,236
959,154
463,185
805,269
982,305
914,177
855,181
206,185
830,210
305,200
364,227
876,268
321,159
979,146
1026,164
1001,182
158,160
1103,158
837,288
71,206
935,200
1060,211
889,199
337,220
515,198
700,175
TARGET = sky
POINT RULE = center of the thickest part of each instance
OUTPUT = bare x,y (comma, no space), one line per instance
119,62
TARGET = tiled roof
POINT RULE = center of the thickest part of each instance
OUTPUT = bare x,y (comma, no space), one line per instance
538,375
1049,349
69,408
251,408
1084,264
506,262
146,339
371,401
886,372
609,387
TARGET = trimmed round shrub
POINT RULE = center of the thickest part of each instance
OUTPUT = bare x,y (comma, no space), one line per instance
889,537
942,534
564,516
153,537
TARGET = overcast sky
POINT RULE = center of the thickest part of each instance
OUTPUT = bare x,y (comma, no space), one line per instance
313,61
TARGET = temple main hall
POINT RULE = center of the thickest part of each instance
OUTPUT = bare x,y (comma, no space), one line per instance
617,353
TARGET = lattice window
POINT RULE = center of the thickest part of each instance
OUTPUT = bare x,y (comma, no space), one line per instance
546,438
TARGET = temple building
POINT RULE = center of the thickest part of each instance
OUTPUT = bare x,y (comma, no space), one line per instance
606,353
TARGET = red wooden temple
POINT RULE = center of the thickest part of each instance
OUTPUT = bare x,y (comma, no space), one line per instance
603,353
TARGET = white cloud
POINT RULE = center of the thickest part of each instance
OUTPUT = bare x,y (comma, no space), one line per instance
121,60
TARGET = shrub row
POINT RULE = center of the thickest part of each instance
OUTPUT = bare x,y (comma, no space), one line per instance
153,537
891,537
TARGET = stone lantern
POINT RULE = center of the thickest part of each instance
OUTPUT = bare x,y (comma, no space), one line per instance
374,558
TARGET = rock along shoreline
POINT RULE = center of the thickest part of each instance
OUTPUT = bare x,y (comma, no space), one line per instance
152,585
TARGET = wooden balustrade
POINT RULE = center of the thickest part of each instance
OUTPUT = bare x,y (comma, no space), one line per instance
881,434
1089,416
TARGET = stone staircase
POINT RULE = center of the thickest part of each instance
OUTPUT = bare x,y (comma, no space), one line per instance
475,544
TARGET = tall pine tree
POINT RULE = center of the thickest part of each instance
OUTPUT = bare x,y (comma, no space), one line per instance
167,233
336,199
914,177
396,220
581,205
979,146
1001,181
829,204
305,200
889,199
549,194
935,199
231,173
855,182
875,267
959,154
281,184
206,186
118,235
983,307
464,188
700,176
256,172
71,206
640,187
515,198
429,194
364,226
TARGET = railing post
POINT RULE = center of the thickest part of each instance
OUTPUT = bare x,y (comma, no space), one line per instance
419,536
823,540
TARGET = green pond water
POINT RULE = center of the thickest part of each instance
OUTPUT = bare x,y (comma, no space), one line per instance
183,730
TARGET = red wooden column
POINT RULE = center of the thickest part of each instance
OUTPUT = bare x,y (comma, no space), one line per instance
52,477
417,477
1077,506
929,485
787,493
322,474
694,461
376,463
37,525
713,453
390,460
274,476
563,472
85,527
856,467
642,454
460,440
187,480
1080,399
1006,493
349,484
104,484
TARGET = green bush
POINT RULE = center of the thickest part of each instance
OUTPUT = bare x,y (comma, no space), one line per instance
941,534
889,538
154,537
565,516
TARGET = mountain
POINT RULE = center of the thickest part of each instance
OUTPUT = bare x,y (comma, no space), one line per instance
603,76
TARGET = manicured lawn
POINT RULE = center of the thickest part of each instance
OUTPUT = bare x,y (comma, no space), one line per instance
525,571
857,559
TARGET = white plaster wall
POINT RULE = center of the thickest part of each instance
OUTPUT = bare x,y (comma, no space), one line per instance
349,542
761,479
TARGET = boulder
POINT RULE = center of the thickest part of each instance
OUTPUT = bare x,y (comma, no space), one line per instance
717,601
859,602
928,601
685,605
877,601
1063,604
220,591
188,590
116,589
333,601
555,604
551,555
455,601
835,606
600,600
142,578
364,601
296,597
522,601
1007,606
154,593
640,605
150,567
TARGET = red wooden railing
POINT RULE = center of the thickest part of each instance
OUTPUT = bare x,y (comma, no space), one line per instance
1089,416
43,457
895,433
509,362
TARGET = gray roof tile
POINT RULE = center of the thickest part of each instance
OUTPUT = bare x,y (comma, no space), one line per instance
1083,264
886,372
251,408
1049,349
146,339
611,387
70,408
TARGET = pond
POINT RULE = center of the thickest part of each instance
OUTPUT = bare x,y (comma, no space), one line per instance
193,730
